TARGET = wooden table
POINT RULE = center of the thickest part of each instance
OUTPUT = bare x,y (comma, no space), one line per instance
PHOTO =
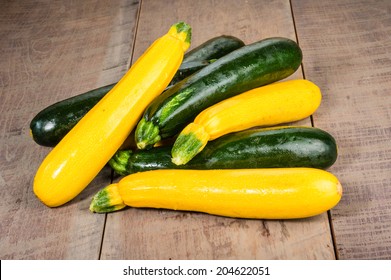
51,50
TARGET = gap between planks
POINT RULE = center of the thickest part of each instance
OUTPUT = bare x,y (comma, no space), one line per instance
331,227
133,43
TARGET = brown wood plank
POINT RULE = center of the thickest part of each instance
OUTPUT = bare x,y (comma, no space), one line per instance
52,50
347,47
160,234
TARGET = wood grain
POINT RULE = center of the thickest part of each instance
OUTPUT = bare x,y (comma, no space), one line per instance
160,234
52,50
347,47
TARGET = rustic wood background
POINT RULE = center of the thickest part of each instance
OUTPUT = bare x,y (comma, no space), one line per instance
51,50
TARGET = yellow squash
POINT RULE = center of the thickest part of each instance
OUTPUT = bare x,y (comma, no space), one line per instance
84,151
274,193
269,105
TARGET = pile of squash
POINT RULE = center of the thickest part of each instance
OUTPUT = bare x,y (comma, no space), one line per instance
209,132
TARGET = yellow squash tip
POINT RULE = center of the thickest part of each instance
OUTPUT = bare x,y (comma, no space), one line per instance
51,197
182,31
339,189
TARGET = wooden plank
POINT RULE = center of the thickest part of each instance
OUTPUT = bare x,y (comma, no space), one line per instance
160,234
347,45
52,50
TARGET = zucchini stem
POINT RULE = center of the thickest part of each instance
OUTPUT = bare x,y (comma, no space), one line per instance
119,162
147,134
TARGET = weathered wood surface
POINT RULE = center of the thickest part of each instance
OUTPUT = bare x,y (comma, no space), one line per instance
50,51
347,47
56,49
151,234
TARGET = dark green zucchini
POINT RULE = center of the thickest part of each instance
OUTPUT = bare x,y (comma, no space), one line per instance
277,147
50,125
186,69
246,68
206,52
214,48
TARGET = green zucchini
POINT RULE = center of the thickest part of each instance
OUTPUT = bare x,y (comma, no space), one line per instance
277,147
248,67
50,125
205,53
188,68
214,48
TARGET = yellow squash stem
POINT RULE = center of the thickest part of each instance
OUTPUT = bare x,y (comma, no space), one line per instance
269,105
107,200
273,193
194,138
84,151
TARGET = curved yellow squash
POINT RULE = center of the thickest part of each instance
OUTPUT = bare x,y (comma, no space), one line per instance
269,105
274,193
84,151
273,104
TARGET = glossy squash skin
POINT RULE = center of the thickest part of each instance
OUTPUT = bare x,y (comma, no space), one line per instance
249,67
206,53
278,103
84,151
51,124
214,48
274,193
276,147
